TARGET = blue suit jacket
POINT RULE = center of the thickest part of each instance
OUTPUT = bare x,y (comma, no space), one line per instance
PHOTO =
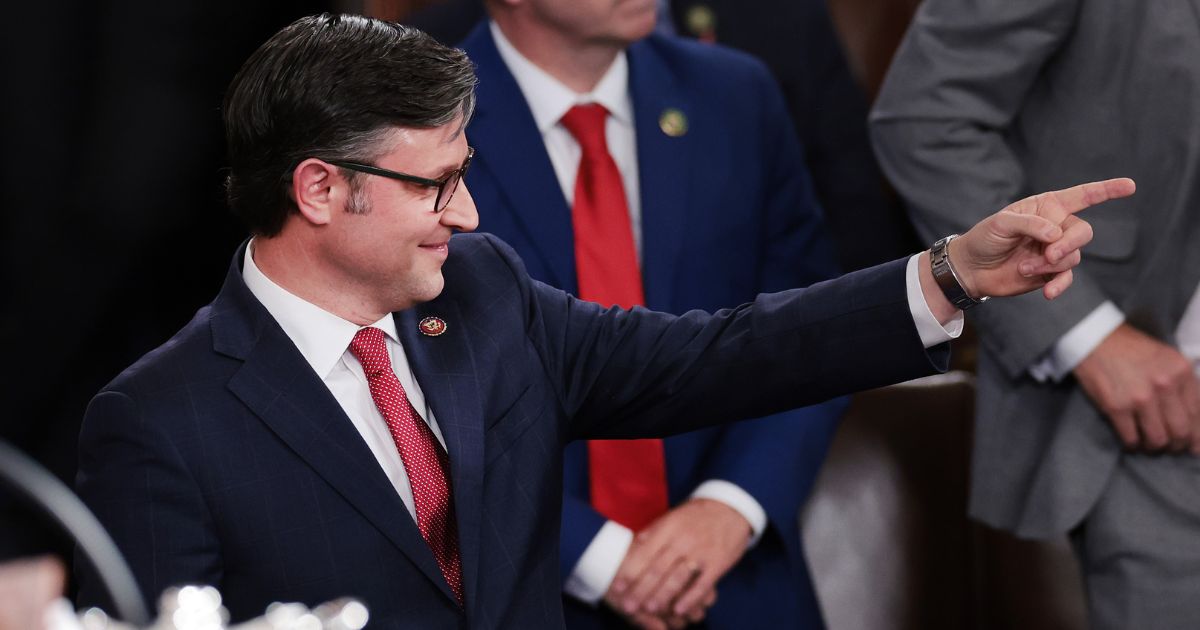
222,458
727,211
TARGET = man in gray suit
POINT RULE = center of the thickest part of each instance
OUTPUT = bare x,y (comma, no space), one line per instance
1089,412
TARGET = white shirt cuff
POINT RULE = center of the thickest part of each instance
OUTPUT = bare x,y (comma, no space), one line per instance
740,500
596,568
932,331
1073,347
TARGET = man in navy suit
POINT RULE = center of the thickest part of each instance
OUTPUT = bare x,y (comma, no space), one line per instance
372,408
720,207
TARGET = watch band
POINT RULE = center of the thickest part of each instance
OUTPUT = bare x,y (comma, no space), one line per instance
947,278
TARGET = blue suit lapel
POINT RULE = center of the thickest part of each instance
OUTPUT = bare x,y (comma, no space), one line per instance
502,119
277,385
664,165
446,371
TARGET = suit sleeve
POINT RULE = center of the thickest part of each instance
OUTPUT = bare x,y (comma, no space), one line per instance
134,480
632,374
942,130
789,446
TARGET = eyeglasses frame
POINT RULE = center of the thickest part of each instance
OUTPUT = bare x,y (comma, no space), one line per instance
440,183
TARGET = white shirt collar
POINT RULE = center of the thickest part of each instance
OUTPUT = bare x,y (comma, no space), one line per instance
321,336
549,99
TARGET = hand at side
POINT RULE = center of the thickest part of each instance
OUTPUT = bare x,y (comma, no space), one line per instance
1146,388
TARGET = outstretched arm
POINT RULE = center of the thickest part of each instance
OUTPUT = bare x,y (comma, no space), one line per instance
629,374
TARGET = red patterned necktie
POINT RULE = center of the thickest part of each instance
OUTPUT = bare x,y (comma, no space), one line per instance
425,461
628,477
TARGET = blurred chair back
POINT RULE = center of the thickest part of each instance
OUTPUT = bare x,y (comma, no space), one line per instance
887,534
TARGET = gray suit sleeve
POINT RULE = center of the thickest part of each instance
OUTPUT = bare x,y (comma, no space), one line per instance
942,130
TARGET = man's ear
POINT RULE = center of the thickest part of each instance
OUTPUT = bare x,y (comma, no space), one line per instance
319,190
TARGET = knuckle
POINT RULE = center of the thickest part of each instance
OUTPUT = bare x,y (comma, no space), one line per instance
675,581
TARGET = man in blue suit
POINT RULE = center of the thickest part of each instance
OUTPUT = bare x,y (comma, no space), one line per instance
370,407
721,204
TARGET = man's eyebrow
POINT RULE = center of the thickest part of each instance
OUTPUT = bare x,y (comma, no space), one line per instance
444,171
452,167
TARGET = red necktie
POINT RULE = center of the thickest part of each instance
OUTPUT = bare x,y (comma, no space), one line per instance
628,477
425,461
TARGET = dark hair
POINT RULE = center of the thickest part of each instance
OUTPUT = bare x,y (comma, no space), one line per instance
332,86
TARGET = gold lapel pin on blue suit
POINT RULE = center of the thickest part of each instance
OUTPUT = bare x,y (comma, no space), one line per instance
432,326
701,22
673,122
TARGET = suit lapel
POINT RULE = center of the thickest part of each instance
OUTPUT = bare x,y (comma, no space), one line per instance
522,171
664,164
277,384
445,369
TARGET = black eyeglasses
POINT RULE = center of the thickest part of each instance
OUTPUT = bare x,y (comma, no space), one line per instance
446,184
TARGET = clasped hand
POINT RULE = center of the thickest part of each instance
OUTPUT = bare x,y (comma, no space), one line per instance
669,575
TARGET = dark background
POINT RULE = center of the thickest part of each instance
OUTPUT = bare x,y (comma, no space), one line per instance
114,230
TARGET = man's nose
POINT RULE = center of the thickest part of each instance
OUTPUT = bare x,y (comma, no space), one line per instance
460,214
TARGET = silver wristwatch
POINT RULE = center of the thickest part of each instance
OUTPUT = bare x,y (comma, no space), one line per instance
947,279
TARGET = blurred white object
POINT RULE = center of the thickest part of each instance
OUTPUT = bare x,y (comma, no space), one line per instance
199,608
61,616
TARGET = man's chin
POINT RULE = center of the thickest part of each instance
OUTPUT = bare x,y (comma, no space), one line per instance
430,289
411,296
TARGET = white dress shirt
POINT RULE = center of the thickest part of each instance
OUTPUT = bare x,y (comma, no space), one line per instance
1188,333
549,100
324,340
1073,347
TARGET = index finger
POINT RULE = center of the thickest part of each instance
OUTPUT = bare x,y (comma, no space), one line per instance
1077,198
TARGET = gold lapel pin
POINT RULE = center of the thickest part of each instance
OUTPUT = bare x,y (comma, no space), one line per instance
702,23
432,326
673,122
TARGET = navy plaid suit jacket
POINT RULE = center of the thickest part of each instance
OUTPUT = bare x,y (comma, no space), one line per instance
221,458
